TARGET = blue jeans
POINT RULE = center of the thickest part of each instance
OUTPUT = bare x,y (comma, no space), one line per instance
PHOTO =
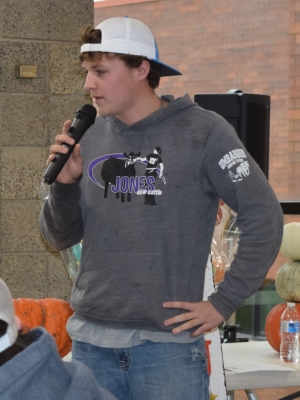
150,371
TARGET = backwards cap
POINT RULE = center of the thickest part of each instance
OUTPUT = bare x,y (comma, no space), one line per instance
125,35
7,314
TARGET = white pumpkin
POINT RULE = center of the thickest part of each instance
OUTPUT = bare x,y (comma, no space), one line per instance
290,245
287,281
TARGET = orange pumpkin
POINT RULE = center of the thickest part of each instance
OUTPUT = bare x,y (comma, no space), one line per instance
272,327
50,313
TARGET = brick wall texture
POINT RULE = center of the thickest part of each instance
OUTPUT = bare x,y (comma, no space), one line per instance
249,45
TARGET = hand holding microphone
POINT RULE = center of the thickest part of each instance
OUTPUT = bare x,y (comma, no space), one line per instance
84,118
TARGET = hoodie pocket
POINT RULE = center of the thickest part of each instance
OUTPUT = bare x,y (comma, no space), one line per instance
122,286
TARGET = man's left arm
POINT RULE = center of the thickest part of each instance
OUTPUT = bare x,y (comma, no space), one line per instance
231,173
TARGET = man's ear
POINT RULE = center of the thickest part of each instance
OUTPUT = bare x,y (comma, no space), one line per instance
143,70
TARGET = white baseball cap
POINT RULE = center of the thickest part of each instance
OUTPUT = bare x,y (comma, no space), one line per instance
125,35
7,314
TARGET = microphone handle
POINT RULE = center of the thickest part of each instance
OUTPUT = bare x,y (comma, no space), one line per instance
76,131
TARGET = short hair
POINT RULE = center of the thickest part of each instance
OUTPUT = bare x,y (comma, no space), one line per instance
91,35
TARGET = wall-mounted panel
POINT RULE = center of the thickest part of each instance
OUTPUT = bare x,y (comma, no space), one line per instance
22,53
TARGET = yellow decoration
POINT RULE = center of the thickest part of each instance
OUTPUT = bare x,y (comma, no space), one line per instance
287,281
290,245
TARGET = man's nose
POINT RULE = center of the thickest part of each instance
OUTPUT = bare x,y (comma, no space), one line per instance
89,82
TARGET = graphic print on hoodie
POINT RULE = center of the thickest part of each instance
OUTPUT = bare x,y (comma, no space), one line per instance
119,171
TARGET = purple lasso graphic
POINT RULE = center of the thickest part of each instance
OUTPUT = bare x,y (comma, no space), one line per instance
101,159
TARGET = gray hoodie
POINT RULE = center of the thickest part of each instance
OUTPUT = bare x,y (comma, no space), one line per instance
38,373
148,238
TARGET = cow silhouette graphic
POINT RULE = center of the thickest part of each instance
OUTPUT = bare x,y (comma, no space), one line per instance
114,169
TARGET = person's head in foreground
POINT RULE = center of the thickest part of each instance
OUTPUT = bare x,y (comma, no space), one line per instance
12,340
31,367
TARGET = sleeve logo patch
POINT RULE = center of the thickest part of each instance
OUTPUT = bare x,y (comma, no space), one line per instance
236,163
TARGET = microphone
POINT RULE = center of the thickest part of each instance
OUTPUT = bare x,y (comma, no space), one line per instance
84,118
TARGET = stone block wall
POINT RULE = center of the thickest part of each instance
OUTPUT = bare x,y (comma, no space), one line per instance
32,111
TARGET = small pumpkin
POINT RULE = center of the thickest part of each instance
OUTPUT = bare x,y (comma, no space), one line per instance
287,281
290,244
272,327
50,313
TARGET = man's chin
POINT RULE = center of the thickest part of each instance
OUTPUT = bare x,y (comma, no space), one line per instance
104,113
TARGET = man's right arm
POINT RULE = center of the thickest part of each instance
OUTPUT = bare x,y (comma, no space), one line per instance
61,218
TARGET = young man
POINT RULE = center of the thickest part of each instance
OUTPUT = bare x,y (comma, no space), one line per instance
31,368
139,315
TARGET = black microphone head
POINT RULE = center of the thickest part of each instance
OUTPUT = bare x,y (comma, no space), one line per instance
88,113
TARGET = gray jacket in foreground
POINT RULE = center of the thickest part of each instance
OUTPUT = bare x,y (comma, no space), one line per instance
135,255
38,373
